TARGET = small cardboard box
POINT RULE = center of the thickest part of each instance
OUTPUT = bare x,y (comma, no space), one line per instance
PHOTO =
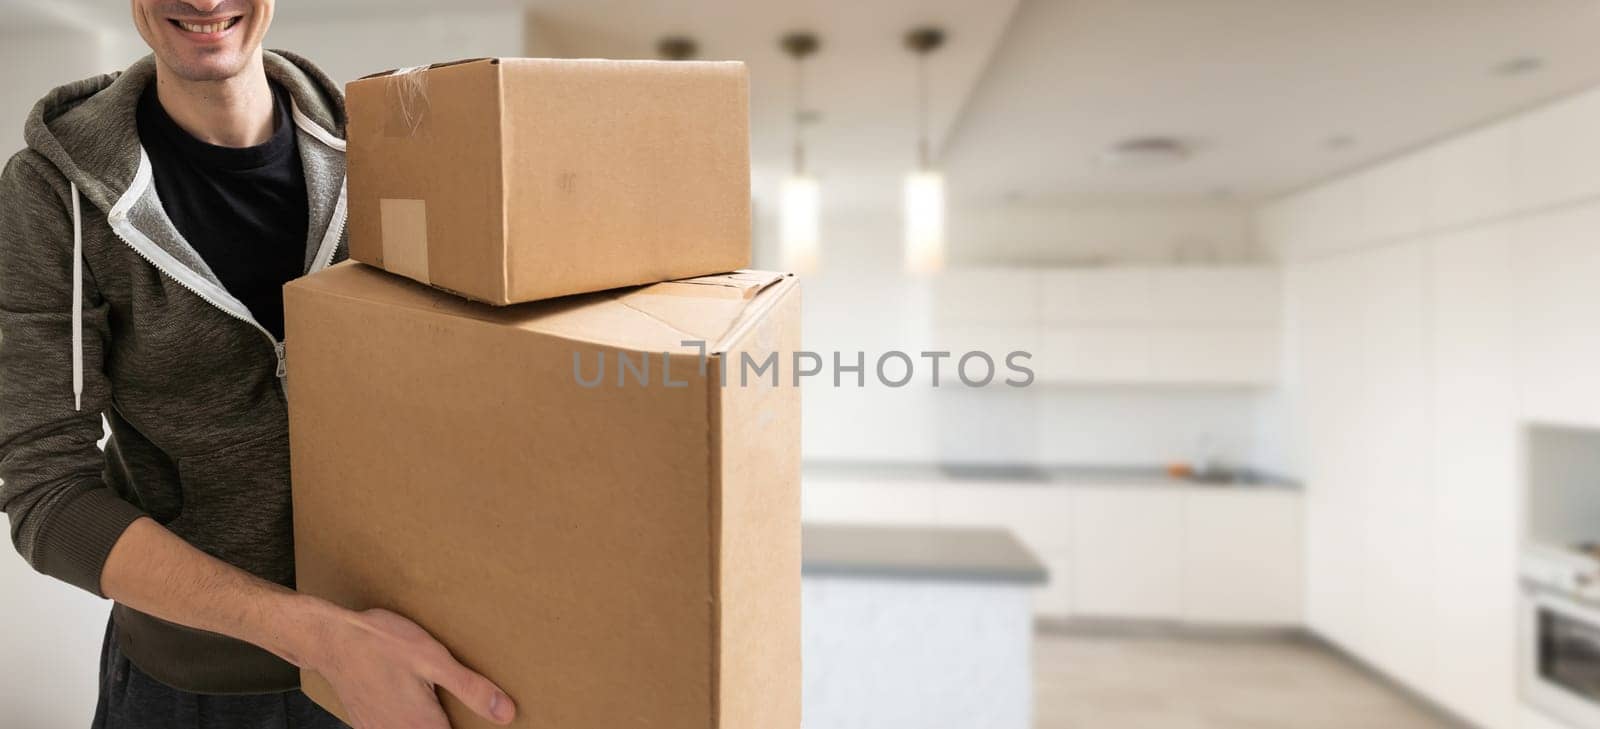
515,179
620,552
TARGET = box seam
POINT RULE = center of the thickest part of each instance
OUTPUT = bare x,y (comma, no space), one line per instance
714,525
504,195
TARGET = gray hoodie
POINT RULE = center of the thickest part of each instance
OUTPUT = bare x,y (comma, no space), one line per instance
106,310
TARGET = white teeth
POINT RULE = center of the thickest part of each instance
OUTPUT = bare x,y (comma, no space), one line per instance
208,28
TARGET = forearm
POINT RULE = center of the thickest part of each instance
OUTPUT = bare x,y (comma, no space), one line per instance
384,667
157,573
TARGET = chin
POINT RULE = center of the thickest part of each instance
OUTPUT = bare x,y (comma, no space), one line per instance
218,67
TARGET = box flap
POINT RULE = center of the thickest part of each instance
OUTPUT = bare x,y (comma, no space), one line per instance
711,308
743,284
653,318
428,67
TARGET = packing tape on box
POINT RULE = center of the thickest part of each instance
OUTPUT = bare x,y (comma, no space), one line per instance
404,222
404,227
409,109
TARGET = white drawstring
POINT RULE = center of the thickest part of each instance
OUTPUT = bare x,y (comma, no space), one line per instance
77,300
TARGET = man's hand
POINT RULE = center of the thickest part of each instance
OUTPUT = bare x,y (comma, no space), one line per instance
385,667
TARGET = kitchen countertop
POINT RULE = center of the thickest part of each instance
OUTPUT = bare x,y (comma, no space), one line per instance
1022,474
934,553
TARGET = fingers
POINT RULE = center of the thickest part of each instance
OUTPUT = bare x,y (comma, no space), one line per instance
478,693
429,716
416,707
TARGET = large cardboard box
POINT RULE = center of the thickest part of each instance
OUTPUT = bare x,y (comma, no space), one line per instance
614,555
516,179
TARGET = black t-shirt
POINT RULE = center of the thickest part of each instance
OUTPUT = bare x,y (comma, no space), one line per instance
243,209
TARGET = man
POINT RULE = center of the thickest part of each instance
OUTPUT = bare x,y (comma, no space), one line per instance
144,236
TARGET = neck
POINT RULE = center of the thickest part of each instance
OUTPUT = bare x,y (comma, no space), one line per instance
234,112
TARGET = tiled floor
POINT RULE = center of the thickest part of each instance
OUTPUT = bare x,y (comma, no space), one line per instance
1091,681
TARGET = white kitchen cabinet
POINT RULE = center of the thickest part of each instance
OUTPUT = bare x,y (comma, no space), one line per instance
1093,355
1418,350
1362,336
1557,300
996,340
1334,218
1242,556
1102,296
1246,355
1040,515
1556,153
1007,296
1215,295
1182,325
1397,198
867,502
1286,226
1405,355
1274,225
1471,178
1398,513
1475,473
1186,355
1127,559
1328,341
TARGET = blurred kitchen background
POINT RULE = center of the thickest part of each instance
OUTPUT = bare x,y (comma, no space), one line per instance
1312,296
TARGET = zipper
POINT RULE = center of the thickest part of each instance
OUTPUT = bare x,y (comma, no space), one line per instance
180,274
119,221
335,232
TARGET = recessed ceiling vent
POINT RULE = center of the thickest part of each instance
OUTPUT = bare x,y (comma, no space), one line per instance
1146,152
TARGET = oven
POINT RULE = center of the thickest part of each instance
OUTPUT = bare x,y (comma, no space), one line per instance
1560,656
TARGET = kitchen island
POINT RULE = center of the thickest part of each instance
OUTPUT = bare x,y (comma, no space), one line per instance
917,628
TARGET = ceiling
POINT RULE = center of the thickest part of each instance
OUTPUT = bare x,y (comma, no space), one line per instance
1259,87
1271,95
1027,94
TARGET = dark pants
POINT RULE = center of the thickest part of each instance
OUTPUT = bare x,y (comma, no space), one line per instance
131,700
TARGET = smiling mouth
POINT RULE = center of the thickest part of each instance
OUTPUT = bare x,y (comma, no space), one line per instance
216,26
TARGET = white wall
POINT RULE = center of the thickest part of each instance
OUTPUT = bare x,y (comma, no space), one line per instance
860,300
34,63
348,48
49,672
1438,302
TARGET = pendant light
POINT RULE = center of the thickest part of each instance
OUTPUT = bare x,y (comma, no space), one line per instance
799,226
924,187
677,48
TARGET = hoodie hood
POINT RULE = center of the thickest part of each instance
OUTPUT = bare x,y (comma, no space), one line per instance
87,128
